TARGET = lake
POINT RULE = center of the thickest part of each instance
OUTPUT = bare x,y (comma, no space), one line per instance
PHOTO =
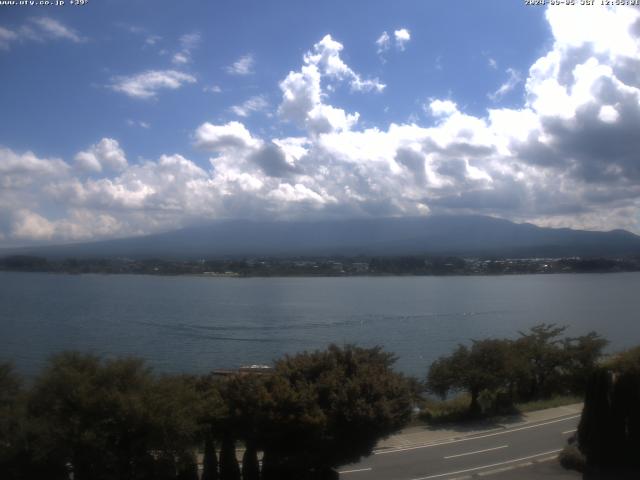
195,324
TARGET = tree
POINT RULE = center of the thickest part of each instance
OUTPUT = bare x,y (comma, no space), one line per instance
187,467
229,469
113,419
209,461
335,405
14,456
484,366
609,429
542,347
582,356
250,465
627,361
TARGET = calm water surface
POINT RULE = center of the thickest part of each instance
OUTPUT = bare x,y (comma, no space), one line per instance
194,324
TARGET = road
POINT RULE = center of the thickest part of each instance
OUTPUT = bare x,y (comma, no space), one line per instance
491,451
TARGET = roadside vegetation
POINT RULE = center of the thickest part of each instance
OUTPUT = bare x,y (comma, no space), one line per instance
607,442
540,369
91,419
88,418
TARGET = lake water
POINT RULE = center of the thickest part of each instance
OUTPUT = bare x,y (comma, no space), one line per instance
195,324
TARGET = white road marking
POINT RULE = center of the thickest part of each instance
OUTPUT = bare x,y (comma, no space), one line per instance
477,451
503,432
487,466
568,431
354,471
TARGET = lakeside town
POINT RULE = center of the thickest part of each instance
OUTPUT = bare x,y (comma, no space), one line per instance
322,266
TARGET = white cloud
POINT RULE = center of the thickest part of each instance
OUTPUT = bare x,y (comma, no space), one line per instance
302,94
401,37
52,28
383,42
188,43
326,56
6,37
233,135
514,79
152,39
104,155
38,29
19,170
608,114
31,226
440,108
492,63
138,123
212,89
302,104
242,66
180,58
148,84
257,103
566,156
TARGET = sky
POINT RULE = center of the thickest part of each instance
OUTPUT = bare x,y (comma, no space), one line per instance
122,118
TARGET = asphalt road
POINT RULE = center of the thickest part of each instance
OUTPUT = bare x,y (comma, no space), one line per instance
486,452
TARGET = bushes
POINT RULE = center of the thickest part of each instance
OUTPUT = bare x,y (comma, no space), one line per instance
608,438
115,419
609,429
540,364
320,409
572,459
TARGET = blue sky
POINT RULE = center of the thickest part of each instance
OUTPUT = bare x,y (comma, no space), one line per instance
123,118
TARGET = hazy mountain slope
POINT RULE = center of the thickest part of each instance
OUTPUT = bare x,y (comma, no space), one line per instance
456,235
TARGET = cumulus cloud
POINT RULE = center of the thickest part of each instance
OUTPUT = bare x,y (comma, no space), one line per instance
233,135
566,156
326,56
440,108
31,226
147,84
104,155
22,170
242,66
401,38
303,95
384,42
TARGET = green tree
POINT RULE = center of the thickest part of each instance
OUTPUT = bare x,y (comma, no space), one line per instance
483,366
14,455
187,467
609,429
209,460
112,419
245,397
336,405
543,348
627,361
582,356
229,469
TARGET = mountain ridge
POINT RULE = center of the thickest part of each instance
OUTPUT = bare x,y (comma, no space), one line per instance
461,235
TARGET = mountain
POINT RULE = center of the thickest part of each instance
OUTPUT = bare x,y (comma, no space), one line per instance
437,235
